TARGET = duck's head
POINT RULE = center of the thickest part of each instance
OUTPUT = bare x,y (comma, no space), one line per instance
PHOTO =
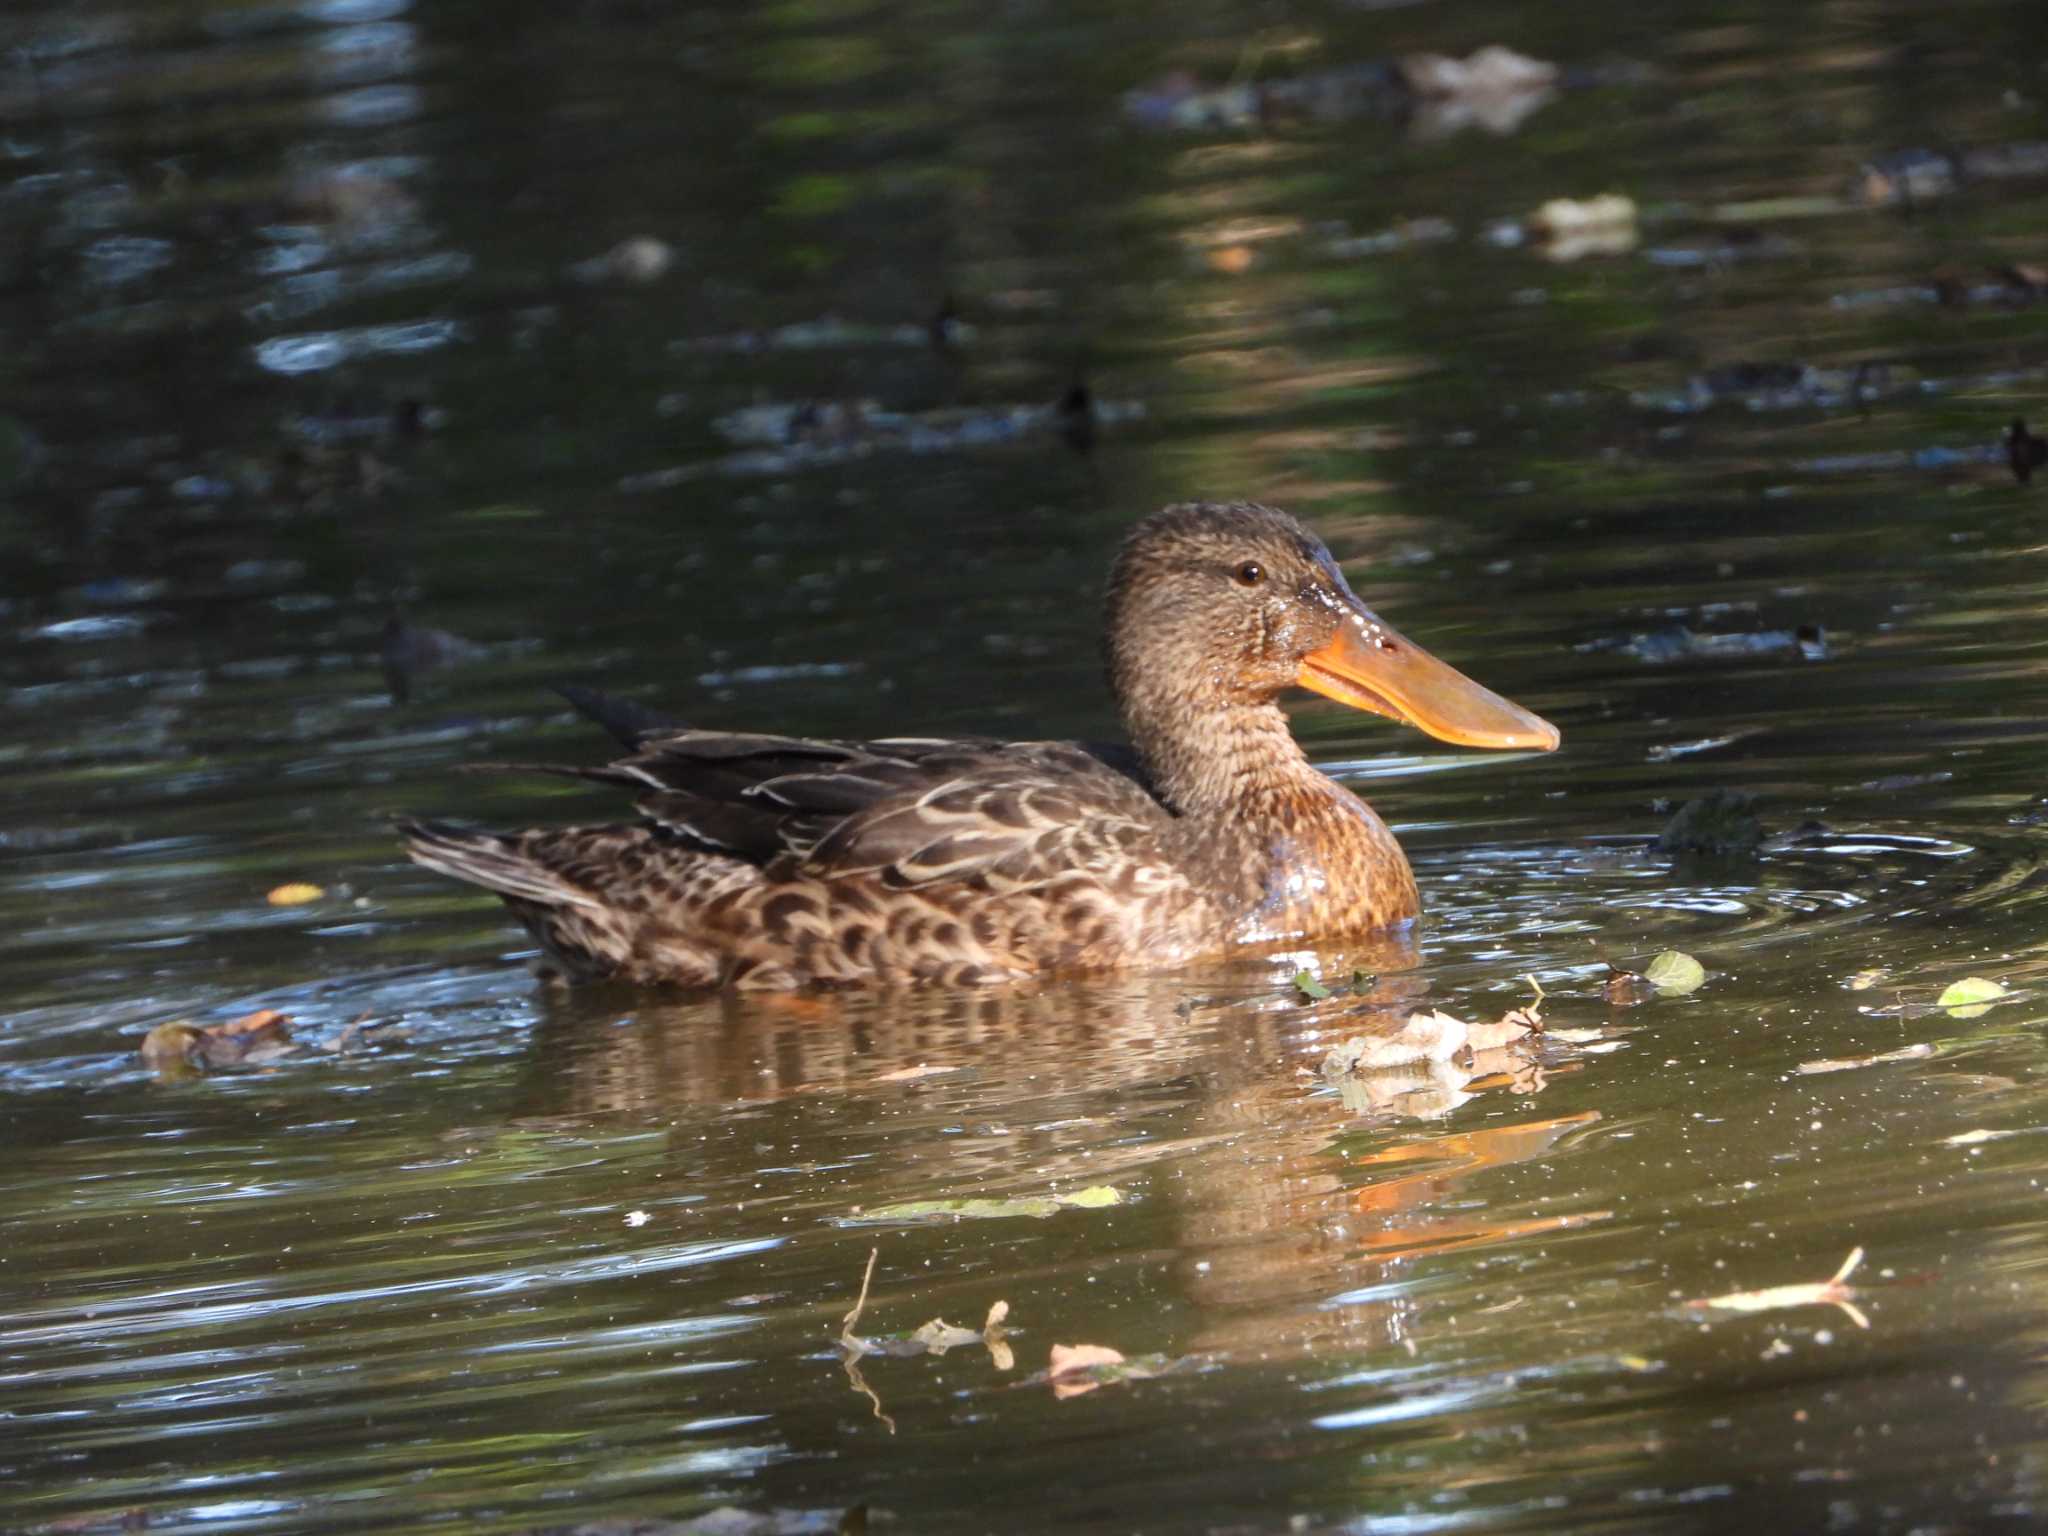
1213,608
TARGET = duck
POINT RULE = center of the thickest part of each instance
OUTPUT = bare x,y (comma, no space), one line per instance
766,862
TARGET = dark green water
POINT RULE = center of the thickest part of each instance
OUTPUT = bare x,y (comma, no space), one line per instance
537,1260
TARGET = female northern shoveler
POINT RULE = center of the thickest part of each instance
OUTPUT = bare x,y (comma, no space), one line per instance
777,861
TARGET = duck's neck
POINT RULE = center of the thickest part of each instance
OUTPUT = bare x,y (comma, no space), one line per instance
1300,855
1208,765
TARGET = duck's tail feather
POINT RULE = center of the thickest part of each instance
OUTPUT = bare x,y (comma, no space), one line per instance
631,725
492,860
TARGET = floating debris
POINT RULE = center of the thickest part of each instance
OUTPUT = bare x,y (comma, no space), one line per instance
185,1049
1080,1368
1626,989
1568,229
1852,1063
1094,1198
1431,1037
934,1337
1834,1292
1494,88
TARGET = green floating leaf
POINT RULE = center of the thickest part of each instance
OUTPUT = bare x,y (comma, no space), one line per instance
1675,973
1095,1197
1306,984
1971,996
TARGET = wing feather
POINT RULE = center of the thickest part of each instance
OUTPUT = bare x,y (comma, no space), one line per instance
909,810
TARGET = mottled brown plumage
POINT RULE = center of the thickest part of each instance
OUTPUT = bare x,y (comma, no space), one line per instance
775,861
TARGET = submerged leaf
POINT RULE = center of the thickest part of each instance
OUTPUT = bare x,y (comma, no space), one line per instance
1675,973
1970,997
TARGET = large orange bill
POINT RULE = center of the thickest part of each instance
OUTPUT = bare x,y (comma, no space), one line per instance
1371,666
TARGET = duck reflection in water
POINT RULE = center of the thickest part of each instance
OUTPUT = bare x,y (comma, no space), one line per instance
1196,1090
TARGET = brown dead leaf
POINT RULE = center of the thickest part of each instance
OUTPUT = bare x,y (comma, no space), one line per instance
1517,1025
1625,989
1067,1358
1071,1364
183,1048
999,1352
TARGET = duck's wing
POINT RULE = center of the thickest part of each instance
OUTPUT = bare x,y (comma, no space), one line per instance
1018,815
908,809
764,796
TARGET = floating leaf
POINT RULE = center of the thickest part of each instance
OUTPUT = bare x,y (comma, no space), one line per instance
1432,1036
1079,1368
1306,984
294,893
938,1336
1850,1063
1068,1358
1675,973
1970,997
1093,1198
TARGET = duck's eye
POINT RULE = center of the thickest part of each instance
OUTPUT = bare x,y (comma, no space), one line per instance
1250,574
